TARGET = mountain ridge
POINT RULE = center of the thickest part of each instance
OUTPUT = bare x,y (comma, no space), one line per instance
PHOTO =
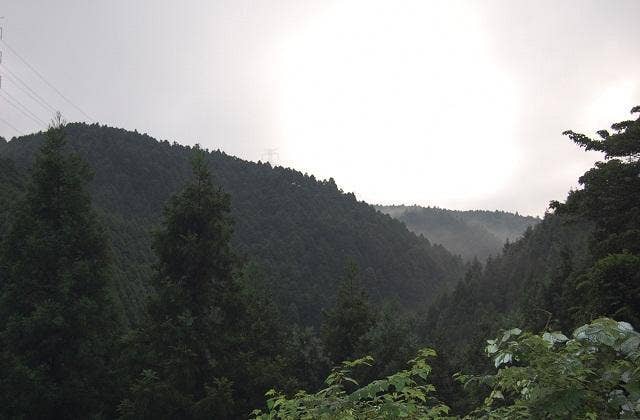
469,233
298,231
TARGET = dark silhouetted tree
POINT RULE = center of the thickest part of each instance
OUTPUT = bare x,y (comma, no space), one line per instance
610,199
188,333
349,320
56,324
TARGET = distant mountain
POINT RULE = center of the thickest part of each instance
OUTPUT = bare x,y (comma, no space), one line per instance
297,230
471,233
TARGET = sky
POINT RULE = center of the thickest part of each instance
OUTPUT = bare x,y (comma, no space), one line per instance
455,104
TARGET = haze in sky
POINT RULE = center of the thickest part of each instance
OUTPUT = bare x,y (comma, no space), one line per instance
458,104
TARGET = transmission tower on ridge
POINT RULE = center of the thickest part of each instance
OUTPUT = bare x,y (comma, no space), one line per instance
270,154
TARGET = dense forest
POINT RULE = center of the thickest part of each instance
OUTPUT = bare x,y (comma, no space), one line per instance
471,233
297,231
140,279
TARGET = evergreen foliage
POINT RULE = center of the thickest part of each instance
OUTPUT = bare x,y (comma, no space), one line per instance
208,330
391,341
10,188
579,263
297,229
190,317
610,200
56,324
211,344
471,234
349,320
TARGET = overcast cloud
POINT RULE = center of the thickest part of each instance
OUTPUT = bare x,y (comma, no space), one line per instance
448,103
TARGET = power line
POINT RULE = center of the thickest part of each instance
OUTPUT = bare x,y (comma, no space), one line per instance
45,80
37,121
24,110
7,123
24,107
16,103
47,107
33,94
19,109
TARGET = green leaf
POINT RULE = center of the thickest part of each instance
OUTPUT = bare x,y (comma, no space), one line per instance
353,381
507,334
497,394
554,337
630,344
502,358
491,348
624,326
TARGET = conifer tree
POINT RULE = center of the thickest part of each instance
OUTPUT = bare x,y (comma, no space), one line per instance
56,329
611,190
349,320
191,317
610,200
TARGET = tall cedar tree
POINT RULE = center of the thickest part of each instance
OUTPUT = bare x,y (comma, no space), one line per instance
611,200
349,320
611,193
56,329
192,316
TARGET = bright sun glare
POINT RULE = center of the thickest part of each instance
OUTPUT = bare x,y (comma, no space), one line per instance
411,90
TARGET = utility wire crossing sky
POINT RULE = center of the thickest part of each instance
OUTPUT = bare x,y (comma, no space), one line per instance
458,104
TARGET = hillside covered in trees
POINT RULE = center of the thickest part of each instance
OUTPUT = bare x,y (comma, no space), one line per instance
578,263
554,312
470,233
297,230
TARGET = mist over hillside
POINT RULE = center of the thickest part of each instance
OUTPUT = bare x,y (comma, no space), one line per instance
469,233
188,227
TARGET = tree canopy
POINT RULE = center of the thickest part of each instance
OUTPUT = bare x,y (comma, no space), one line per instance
56,322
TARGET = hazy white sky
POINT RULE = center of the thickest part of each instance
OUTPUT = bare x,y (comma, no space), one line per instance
458,104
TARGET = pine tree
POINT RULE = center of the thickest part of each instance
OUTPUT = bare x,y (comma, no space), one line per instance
187,339
56,329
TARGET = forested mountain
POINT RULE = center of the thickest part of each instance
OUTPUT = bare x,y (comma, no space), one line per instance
297,230
209,340
520,287
470,233
579,263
